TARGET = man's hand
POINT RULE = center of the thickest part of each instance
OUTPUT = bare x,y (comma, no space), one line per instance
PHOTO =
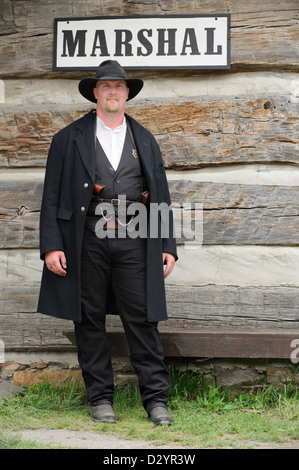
56,262
169,261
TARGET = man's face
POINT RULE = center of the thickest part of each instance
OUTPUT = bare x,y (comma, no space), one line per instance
111,95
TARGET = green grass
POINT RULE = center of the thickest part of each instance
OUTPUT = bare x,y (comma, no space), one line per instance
204,415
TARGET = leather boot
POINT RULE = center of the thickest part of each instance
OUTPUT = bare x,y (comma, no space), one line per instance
159,415
103,413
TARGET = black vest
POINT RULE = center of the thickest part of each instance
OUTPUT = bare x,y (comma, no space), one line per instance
126,179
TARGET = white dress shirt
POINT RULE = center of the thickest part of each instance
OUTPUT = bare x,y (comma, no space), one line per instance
112,140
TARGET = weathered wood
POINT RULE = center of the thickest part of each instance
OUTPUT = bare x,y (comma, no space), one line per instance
212,343
197,133
19,213
223,130
237,214
264,35
25,136
232,214
20,325
189,307
233,307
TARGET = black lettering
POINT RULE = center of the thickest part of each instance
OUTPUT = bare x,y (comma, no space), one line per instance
190,41
145,42
120,41
100,39
70,44
210,43
162,41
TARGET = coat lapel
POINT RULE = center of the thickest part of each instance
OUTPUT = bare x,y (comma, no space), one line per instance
143,145
86,142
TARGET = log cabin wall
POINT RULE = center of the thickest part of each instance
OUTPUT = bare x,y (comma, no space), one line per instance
229,140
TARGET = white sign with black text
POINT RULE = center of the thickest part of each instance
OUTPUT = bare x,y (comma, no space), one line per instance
148,42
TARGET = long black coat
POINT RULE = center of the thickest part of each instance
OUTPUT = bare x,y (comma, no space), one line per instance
68,187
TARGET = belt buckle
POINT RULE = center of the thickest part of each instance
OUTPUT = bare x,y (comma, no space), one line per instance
117,203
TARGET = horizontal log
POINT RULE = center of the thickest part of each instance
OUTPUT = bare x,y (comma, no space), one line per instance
197,133
264,35
232,307
19,213
20,325
236,214
202,307
222,130
213,343
25,137
232,214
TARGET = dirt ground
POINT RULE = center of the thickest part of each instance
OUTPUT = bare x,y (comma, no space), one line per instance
86,440
94,440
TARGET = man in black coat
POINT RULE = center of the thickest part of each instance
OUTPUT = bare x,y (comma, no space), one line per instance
100,257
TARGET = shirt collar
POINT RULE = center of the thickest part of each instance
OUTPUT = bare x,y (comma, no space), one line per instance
101,125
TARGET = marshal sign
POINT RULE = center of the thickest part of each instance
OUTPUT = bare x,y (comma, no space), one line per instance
149,42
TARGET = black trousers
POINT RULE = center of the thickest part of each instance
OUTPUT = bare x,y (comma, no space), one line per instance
121,261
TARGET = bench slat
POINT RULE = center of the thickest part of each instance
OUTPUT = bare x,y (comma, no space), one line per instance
212,343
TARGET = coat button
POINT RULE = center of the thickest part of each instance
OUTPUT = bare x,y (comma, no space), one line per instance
85,185
82,209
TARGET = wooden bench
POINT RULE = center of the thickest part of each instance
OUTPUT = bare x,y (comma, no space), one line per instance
216,343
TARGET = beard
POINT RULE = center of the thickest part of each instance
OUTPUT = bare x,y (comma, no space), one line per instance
113,104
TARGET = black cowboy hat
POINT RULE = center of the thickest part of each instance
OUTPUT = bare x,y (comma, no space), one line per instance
109,70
